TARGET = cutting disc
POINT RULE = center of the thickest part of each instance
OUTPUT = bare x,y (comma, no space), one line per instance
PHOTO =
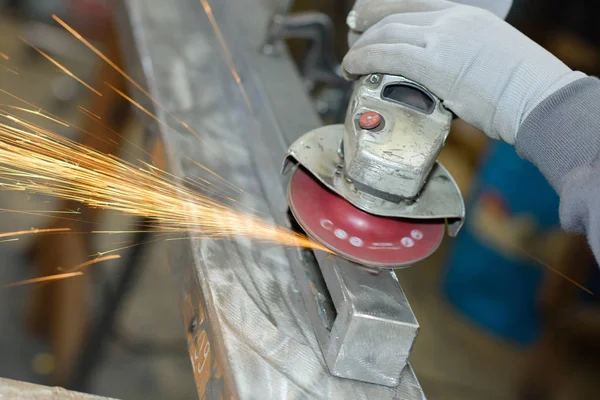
360,237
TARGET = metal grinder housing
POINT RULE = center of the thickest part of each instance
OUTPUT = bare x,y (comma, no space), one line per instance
383,161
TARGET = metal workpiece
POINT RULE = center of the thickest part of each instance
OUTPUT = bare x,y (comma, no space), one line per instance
245,304
10,390
374,329
318,151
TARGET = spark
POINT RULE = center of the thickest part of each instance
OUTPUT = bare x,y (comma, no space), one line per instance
42,213
557,272
4,55
9,240
196,163
123,242
63,123
62,68
86,111
9,69
107,60
135,103
226,51
197,136
54,212
33,232
39,161
42,279
38,129
94,261
139,106
102,253
117,232
26,102
37,112
97,120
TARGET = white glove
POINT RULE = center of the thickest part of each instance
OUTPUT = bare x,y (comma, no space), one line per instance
381,9
487,72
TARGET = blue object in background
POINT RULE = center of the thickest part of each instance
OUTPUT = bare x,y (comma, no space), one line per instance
484,281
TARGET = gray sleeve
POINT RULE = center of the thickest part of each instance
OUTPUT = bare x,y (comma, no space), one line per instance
561,136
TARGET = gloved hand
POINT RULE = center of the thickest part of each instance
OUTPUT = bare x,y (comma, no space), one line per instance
485,71
385,8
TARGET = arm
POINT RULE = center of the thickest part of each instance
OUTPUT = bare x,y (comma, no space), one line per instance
498,80
561,137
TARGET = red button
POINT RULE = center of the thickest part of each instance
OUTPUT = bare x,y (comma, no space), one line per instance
370,120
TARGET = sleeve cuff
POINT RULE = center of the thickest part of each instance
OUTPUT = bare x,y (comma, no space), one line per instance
563,132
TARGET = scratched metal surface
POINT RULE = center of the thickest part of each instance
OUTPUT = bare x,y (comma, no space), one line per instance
248,329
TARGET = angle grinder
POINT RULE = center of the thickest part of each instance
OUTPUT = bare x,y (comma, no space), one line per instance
371,190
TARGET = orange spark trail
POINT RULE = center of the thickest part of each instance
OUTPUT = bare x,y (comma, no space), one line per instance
196,163
9,69
94,261
3,55
98,120
37,112
38,213
89,112
42,279
138,105
108,61
197,136
135,103
33,232
63,69
26,102
140,88
226,51
557,272
102,253
129,78
61,122
37,160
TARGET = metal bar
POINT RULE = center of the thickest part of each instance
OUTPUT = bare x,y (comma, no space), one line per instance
375,330
249,331
10,389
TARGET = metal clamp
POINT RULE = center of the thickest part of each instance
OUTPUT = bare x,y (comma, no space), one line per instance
319,64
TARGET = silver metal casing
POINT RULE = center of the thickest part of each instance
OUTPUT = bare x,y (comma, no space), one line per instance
395,159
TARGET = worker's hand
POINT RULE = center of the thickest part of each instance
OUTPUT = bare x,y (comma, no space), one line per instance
486,72
381,9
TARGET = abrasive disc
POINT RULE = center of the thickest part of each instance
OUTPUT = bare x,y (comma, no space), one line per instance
360,237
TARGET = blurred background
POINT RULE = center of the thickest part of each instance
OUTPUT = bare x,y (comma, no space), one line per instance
496,322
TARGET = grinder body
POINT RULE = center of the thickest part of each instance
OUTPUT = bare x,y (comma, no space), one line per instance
394,158
371,189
